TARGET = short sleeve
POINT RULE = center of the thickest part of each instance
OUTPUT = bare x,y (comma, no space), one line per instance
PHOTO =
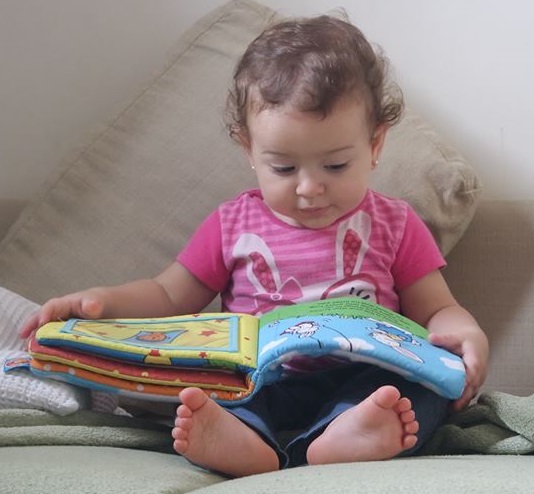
418,253
203,257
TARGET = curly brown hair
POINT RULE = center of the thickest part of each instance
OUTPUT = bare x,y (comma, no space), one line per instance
311,64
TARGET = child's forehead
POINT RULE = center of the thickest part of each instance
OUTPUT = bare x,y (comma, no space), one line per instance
289,132
295,106
348,110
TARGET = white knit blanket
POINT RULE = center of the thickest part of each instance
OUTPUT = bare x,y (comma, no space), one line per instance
20,388
14,310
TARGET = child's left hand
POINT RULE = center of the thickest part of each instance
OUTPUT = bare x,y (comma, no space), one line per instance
473,350
429,302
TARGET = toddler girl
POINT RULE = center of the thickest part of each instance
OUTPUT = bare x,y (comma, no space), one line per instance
310,108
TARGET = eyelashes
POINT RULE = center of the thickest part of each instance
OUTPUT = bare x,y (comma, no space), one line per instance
290,169
282,170
337,167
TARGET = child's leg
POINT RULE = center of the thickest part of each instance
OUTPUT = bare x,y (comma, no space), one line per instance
208,435
380,427
357,404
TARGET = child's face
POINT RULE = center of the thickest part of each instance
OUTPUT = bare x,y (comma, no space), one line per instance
312,170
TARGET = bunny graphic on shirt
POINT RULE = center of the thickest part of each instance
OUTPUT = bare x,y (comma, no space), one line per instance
272,290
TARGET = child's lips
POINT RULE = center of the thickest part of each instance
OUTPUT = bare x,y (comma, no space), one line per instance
316,211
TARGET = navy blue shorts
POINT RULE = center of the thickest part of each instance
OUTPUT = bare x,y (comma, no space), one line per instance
290,414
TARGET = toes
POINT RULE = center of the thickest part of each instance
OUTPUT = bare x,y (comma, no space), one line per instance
184,424
180,446
412,427
386,397
409,441
406,417
403,405
179,434
183,411
194,398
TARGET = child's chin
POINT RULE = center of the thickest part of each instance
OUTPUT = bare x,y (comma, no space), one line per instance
314,220
316,223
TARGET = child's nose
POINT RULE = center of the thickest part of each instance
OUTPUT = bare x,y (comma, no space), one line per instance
309,186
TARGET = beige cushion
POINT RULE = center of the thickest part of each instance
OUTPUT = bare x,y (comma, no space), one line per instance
491,273
419,166
127,204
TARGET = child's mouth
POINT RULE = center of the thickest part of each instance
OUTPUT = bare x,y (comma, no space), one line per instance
314,211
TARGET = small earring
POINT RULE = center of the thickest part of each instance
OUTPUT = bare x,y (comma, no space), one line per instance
375,163
252,167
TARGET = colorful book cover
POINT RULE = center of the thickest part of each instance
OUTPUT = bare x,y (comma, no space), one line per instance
210,339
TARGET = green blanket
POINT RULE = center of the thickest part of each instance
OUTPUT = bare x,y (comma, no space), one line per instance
28,427
498,423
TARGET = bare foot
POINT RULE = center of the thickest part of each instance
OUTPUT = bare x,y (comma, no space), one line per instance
380,427
208,435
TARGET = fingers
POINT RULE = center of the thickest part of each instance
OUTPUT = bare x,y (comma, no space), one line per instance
474,378
91,308
474,364
469,393
466,398
35,321
29,326
448,341
83,305
459,405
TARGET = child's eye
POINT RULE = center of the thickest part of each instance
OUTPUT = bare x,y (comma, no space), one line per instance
336,167
282,169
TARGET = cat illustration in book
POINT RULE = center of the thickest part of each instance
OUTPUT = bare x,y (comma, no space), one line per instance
272,290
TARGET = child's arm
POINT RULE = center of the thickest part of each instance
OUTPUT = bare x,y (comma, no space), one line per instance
175,291
429,302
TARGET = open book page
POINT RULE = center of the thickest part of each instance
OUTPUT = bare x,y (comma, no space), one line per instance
354,330
349,307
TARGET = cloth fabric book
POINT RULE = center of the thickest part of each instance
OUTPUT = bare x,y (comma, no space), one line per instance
231,355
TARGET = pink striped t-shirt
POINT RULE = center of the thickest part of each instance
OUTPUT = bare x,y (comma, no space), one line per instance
258,262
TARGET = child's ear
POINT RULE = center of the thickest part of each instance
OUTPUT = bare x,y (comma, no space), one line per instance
377,140
243,139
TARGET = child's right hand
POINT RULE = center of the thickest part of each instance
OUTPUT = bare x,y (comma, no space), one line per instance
85,305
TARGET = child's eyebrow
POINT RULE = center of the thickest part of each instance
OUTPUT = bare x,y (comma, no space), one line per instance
275,153
338,150
288,155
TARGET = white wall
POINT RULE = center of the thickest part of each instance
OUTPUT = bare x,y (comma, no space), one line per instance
68,66
468,67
